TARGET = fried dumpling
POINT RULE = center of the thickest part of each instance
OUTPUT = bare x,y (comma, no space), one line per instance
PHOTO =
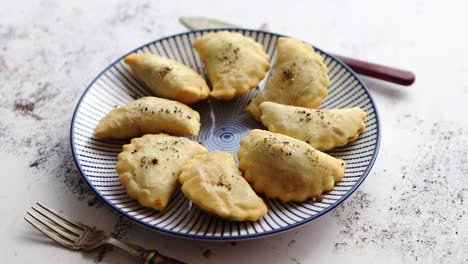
149,115
214,183
322,129
168,78
149,167
286,168
300,78
235,63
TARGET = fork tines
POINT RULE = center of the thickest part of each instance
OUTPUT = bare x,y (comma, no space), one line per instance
58,227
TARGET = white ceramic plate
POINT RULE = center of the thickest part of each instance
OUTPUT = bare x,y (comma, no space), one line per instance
223,125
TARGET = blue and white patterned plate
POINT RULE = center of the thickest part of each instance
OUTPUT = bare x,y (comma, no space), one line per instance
224,123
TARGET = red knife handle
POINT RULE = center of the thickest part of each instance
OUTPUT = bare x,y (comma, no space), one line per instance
379,71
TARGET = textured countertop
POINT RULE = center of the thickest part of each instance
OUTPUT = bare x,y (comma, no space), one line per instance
412,207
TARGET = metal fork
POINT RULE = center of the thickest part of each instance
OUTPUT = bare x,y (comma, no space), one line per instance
77,236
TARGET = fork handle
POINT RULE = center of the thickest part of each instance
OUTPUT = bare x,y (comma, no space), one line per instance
149,256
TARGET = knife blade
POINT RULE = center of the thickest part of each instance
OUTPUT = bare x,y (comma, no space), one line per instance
196,23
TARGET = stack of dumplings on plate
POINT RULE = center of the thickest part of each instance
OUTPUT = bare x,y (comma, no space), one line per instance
285,162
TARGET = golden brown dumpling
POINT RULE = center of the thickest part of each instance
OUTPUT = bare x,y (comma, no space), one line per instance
168,78
235,63
213,182
149,115
149,167
299,78
286,168
322,129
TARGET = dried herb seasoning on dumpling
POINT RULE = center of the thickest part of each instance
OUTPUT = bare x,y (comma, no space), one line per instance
149,167
149,115
286,168
322,129
214,183
235,63
168,78
299,78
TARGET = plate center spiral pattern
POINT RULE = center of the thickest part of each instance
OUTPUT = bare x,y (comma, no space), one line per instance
226,136
224,124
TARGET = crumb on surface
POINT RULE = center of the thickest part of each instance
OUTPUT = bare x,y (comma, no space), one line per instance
207,253
414,217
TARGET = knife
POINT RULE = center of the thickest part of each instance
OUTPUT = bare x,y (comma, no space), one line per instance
373,70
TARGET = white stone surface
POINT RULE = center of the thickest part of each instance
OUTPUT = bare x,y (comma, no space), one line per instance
411,208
